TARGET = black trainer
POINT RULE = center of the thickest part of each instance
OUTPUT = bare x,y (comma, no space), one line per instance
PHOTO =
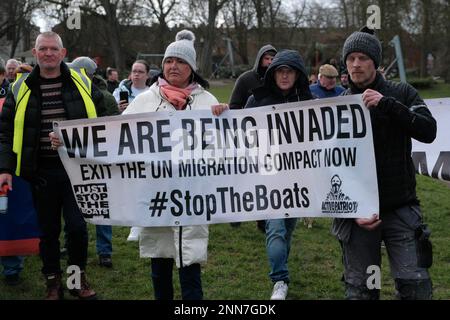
261,225
105,261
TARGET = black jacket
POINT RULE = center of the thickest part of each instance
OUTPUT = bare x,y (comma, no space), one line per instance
269,93
73,105
4,86
400,115
248,81
112,85
110,102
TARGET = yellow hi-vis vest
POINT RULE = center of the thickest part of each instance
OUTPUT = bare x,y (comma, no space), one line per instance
22,95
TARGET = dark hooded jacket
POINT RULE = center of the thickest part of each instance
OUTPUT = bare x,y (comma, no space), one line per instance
400,115
73,105
249,80
110,102
269,93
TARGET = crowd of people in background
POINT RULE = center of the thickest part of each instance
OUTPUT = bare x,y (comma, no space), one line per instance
278,76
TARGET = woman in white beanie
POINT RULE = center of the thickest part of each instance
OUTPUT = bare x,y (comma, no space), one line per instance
178,87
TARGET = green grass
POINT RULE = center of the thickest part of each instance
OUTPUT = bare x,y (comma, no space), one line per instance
438,90
238,268
222,90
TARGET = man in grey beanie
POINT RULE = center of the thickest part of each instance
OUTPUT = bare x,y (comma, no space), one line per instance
85,63
397,115
103,232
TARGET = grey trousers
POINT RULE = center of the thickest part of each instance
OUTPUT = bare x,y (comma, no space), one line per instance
400,232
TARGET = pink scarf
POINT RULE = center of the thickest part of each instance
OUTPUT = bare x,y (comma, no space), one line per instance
178,97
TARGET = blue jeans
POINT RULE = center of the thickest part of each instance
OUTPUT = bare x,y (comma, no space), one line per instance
278,244
11,265
104,243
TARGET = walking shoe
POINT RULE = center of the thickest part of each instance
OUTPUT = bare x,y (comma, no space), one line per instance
308,222
261,225
280,290
12,279
55,290
134,234
85,292
63,252
105,261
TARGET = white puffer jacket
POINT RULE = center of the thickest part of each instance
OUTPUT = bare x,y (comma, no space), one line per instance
188,244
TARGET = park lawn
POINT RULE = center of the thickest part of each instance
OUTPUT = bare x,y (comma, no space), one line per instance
438,90
222,90
238,266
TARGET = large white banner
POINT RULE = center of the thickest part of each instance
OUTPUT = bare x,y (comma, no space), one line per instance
434,159
311,158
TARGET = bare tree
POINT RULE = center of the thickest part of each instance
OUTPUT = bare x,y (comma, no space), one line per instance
16,20
273,10
111,19
60,12
238,19
435,35
345,14
445,20
299,15
111,14
207,18
162,10
260,9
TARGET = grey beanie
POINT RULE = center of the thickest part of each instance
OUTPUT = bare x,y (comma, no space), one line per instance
363,41
183,48
85,63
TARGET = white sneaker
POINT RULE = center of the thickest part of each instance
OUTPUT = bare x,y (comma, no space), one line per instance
134,234
280,290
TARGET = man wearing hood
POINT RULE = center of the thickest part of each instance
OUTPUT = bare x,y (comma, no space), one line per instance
103,232
243,88
286,80
253,78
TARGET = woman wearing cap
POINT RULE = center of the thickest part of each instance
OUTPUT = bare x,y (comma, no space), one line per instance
178,87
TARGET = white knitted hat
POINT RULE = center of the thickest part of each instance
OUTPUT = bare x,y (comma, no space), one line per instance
183,48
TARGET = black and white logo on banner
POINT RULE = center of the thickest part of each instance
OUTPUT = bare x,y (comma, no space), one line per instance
337,201
92,200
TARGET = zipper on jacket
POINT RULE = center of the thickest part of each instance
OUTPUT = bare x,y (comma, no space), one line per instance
21,98
179,247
